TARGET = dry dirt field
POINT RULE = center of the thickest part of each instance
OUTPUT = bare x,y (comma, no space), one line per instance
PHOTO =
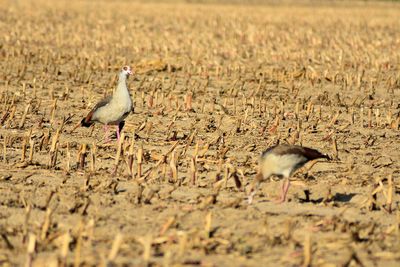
214,86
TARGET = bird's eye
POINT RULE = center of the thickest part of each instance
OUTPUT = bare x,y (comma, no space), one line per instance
125,68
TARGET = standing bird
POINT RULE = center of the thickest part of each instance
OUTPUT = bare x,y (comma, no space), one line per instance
113,109
283,161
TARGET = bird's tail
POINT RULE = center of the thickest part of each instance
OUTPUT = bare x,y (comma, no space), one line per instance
86,123
83,123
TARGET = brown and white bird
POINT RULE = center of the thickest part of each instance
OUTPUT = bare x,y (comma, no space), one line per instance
113,109
282,160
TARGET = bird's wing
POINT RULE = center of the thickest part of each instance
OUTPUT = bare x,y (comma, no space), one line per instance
265,153
312,154
87,121
308,153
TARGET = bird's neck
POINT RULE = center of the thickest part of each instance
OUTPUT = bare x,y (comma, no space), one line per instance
122,87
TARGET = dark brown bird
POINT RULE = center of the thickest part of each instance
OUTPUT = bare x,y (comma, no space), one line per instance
113,109
283,161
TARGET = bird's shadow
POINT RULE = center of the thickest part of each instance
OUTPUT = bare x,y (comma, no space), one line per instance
309,177
338,197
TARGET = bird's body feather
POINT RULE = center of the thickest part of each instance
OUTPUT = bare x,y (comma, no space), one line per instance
88,120
113,109
284,149
282,165
283,161
112,113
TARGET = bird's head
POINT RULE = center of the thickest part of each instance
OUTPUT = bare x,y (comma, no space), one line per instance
252,189
126,71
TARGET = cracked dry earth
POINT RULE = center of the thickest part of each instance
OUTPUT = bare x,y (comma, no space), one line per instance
214,85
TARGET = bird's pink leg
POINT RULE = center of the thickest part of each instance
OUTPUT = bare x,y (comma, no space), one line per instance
106,137
285,189
118,135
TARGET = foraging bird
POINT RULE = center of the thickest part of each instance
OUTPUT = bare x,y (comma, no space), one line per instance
113,109
282,160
